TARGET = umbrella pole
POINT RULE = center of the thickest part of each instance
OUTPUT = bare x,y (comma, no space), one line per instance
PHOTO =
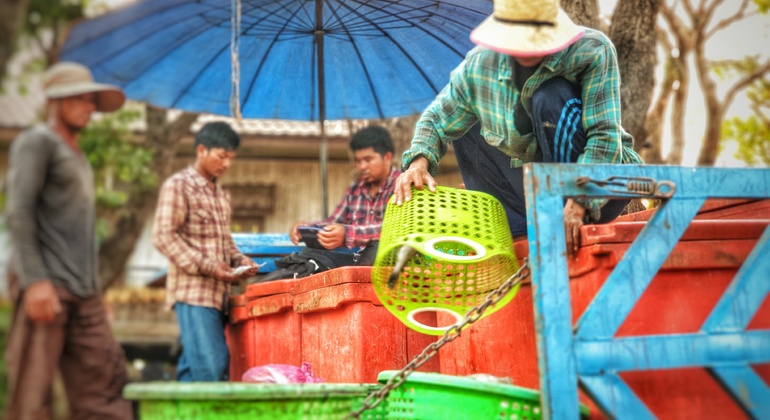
319,38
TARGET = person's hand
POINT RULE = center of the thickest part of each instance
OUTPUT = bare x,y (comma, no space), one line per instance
416,175
294,232
573,220
253,268
224,272
333,236
41,302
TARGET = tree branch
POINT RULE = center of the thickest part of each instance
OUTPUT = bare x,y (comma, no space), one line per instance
744,82
688,6
738,15
677,26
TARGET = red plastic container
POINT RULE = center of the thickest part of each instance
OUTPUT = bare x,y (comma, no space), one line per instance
263,327
333,320
678,300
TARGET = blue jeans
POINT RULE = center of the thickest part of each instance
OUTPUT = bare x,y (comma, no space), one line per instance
557,111
204,349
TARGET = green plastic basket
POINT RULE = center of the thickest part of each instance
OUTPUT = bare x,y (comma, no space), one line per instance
463,250
235,400
428,396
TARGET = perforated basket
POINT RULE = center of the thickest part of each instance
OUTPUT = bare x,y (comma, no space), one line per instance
235,400
463,251
425,396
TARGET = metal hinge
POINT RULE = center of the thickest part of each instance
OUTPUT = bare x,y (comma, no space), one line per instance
644,187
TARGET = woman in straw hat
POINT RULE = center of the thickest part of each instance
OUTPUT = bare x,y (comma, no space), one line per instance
59,321
538,88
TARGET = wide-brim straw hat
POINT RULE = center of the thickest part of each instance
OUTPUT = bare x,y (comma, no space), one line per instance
527,28
66,79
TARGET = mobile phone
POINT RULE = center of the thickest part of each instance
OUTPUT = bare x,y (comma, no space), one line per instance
243,268
240,270
309,235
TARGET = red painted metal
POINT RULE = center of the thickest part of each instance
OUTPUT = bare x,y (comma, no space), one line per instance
717,208
333,320
678,300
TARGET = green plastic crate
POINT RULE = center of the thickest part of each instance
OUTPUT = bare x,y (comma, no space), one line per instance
235,400
435,396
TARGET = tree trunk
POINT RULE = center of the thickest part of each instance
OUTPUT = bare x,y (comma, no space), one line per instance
714,107
162,138
633,33
13,13
653,127
679,111
583,12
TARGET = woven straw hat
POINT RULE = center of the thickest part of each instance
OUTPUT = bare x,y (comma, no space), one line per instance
67,79
527,28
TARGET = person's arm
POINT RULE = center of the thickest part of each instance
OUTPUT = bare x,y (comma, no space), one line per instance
361,235
447,118
601,106
28,169
169,217
336,226
29,160
601,115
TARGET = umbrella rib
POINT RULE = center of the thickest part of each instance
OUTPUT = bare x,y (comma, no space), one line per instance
112,28
179,42
383,9
403,51
193,80
361,60
269,48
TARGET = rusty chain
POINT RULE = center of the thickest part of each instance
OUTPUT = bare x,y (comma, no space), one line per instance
473,315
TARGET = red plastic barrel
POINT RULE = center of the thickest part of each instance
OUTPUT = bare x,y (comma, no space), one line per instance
678,300
333,320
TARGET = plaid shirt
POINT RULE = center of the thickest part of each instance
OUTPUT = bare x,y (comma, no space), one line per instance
192,229
361,213
482,89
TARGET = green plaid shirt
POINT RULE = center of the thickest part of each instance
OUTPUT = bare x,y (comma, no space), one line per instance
482,89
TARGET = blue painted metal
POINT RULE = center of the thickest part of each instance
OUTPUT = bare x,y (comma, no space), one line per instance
268,247
636,270
590,353
265,247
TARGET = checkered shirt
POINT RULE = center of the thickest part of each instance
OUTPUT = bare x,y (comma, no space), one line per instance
192,229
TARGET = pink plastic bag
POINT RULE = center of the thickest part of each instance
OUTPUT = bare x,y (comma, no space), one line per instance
280,374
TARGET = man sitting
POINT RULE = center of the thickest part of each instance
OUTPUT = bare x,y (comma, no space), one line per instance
357,220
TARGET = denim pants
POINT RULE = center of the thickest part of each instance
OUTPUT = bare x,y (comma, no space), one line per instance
557,111
204,350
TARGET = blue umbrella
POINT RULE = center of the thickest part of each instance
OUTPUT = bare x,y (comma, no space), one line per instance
309,60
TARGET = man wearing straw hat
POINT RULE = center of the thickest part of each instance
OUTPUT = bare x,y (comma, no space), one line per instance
538,88
59,321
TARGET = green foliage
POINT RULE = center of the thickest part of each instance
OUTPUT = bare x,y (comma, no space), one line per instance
753,137
52,14
753,133
726,69
763,6
121,168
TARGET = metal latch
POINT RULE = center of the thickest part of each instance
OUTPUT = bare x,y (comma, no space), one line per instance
646,187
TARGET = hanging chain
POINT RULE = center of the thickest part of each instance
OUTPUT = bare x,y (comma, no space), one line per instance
473,315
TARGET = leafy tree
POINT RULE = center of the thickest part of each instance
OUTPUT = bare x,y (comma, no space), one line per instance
753,133
12,12
690,36
47,22
121,166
